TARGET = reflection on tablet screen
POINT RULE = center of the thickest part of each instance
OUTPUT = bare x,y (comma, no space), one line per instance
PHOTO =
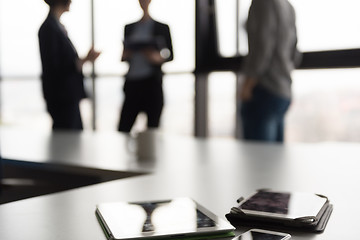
155,210
181,216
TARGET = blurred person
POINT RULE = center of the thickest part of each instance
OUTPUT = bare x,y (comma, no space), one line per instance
147,45
1,174
265,94
62,77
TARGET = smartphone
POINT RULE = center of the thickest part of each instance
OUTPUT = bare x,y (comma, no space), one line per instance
284,205
259,234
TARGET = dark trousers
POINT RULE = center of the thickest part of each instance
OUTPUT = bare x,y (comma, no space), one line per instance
65,116
263,116
1,173
141,96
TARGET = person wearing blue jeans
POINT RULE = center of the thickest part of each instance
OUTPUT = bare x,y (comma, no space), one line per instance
263,116
265,95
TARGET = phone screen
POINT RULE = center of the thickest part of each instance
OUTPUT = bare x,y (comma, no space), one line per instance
283,204
257,235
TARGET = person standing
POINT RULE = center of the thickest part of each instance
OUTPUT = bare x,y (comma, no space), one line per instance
265,94
62,77
147,45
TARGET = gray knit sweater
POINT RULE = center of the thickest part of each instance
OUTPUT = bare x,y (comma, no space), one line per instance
272,45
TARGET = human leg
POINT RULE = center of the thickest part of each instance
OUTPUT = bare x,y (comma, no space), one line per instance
128,116
263,116
65,116
153,106
131,106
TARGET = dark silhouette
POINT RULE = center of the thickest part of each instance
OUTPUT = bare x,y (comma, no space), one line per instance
147,45
1,174
202,220
266,92
62,77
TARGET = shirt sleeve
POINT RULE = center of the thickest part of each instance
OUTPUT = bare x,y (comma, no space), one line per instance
168,43
261,28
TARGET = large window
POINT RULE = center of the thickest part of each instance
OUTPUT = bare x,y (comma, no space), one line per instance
327,24
22,104
18,37
322,25
21,99
19,24
325,102
111,17
226,18
325,106
222,104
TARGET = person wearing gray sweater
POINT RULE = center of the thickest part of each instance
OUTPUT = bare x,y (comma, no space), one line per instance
265,94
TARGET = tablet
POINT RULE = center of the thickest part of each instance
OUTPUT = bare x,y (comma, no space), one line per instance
140,44
175,218
284,205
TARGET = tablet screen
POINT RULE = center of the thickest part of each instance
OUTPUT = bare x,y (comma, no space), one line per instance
283,204
158,218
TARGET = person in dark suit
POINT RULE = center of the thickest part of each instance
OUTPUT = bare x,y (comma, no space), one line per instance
147,45
62,77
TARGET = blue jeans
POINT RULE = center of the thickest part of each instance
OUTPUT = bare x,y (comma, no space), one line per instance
263,116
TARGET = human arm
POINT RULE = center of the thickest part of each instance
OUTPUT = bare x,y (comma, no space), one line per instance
261,28
246,90
90,57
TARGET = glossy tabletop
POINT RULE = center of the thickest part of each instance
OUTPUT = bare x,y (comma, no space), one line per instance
214,172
